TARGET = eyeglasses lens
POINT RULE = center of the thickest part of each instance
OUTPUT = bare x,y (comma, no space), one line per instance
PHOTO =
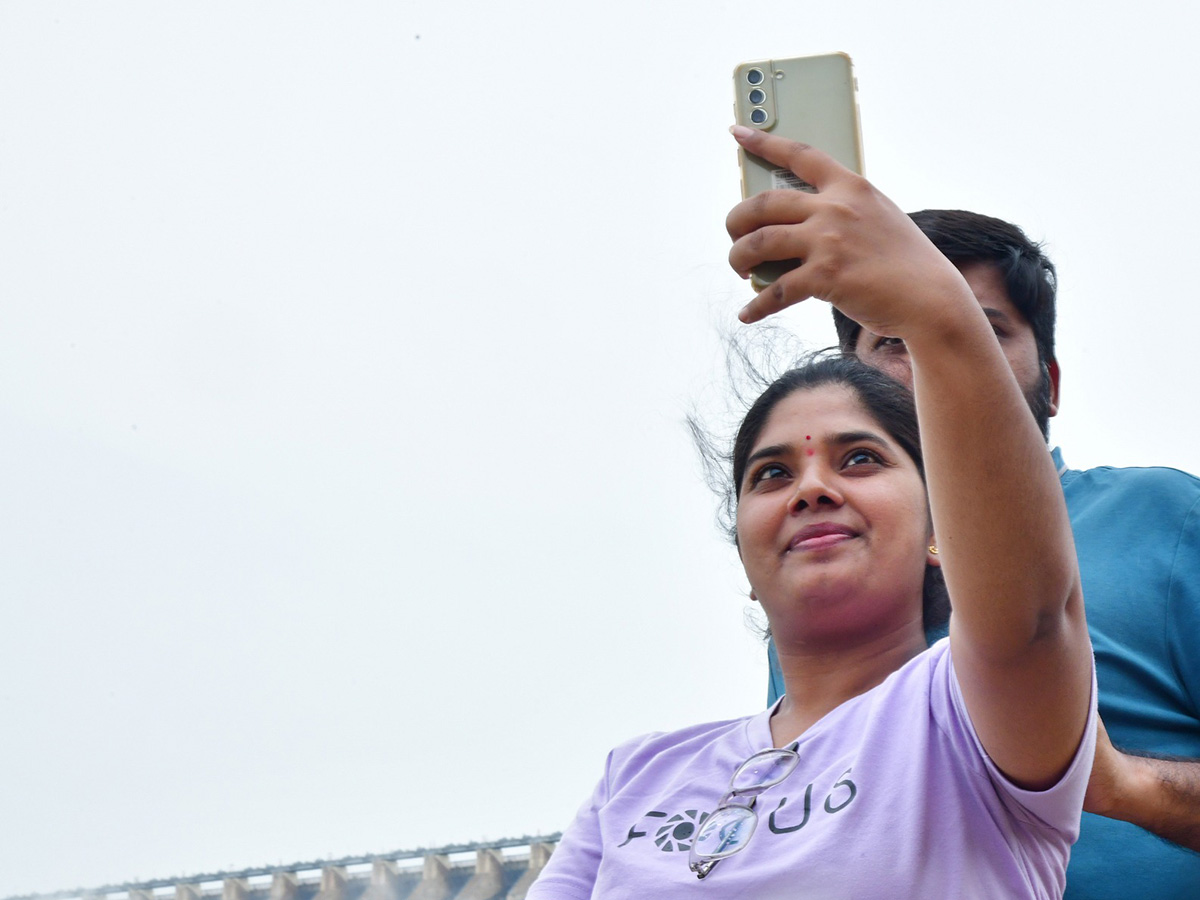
763,770
724,833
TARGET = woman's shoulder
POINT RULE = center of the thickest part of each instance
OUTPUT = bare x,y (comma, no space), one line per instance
684,746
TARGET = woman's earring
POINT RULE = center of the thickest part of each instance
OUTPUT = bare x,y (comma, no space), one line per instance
933,549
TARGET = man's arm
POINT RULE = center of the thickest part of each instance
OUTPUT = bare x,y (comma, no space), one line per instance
1160,795
1158,792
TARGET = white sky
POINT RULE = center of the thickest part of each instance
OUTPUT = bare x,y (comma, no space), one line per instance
344,356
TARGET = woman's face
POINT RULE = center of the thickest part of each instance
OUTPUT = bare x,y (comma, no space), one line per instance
832,520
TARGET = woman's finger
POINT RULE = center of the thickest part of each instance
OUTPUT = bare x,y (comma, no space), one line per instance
787,291
779,207
817,168
769,243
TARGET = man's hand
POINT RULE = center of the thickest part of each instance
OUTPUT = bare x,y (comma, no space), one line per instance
1160,795
860,251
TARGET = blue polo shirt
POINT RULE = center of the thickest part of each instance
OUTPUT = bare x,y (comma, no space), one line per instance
1137,533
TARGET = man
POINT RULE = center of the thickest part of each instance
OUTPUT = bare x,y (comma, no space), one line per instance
1137,534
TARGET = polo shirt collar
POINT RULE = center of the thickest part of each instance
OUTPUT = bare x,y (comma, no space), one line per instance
1059,464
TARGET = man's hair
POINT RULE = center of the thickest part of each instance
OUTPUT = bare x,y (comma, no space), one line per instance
967,237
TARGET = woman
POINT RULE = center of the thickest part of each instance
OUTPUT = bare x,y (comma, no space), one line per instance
887,769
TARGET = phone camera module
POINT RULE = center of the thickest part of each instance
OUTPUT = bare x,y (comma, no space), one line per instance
755,76
758,115
758,96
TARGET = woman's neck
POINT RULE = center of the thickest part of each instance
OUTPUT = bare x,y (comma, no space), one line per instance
818,680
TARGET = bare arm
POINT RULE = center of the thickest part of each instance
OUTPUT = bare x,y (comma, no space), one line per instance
1019,639
1160,795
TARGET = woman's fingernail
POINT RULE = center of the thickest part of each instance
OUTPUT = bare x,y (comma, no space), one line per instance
741,132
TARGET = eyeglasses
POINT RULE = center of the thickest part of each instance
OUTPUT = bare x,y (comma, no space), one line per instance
728,828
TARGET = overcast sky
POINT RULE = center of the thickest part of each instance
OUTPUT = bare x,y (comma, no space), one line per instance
344,357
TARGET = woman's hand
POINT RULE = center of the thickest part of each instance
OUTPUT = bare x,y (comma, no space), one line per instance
861,252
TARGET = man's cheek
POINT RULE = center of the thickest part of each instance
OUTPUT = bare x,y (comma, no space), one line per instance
896,367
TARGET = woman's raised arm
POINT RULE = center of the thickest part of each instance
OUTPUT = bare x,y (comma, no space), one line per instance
1018,635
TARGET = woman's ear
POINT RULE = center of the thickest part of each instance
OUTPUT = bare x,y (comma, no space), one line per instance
753,596
931,552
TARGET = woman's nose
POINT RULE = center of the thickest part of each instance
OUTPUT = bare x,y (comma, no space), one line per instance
815,488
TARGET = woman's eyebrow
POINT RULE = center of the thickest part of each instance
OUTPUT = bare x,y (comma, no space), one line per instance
766,452
859,437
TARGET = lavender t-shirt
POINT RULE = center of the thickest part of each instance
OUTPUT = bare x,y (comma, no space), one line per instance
894,797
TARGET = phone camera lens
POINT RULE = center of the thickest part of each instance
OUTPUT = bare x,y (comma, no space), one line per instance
758,115
757,96
755,76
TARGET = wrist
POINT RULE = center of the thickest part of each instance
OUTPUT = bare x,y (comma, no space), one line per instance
1137,796
950,329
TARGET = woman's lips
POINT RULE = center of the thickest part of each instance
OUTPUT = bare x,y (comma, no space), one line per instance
820,536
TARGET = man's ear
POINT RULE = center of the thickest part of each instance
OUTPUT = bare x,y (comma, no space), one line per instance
1052,366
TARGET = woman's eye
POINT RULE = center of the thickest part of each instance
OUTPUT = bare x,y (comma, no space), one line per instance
889,343
861,458
769,472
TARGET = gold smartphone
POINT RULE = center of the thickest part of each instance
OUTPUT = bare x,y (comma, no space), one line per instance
812,99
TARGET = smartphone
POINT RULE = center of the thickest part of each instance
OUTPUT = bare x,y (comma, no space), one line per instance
813,99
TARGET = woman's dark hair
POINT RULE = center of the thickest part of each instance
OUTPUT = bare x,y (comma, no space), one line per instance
888,402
